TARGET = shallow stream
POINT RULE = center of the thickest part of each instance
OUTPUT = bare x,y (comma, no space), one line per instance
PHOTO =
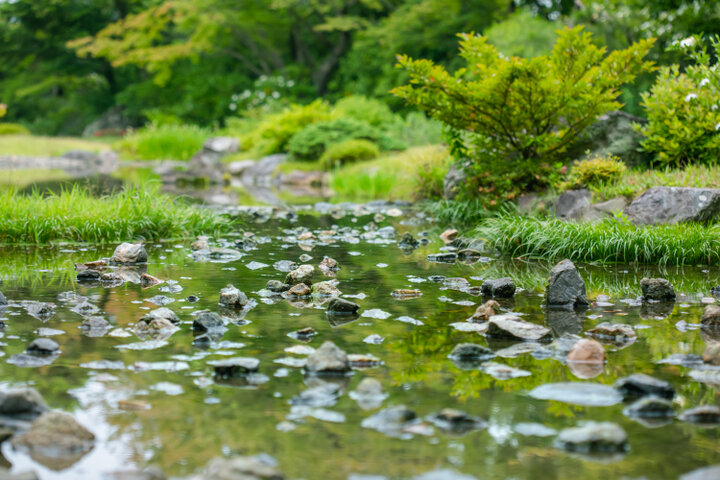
157,403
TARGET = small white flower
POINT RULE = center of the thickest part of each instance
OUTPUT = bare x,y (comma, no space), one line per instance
704,81
687,42
690,96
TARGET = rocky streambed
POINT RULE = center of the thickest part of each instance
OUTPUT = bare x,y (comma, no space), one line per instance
352,342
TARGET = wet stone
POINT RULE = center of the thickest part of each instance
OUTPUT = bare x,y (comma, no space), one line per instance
368,394
498,288
285,266
485,311
55,434
513,328
236,366
147,281
242,468
593,437
232,297
616,333
566,287
302,274
407,242
468,356
95,326
448,257
88,276
657,290
703,415
208,321
323,395
390,421
325,289
339,306
43,346
129,254
40,310
23,402
328,265
711,355
704,473
640,385
276,286
299,290
449,235
711,316
161,313
193,298
586,351
578,393
328,360
456,421
650,407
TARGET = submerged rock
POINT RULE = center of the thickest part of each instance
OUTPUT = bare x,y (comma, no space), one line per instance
407,242
43,346
208,321
302,274
232,297
499,288
711,316
704,415
40,310
618,334
448,236
657,290
276,286
566,287
129,254
485,311
368,394
161,313
25,402
468,356
640,385
325,289
339,306
578,393
513,328
89,276
327,360
95,326
650,407
390,421
456,421
593,437
328,265
236,366
299,290
586,351
242,468
53,437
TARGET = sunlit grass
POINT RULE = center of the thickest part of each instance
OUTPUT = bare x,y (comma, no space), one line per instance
457,213
165,142
76,216
607,241
37,146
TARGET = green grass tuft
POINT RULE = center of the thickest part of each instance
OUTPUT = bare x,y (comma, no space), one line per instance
76,216
608,241
457,213
164,142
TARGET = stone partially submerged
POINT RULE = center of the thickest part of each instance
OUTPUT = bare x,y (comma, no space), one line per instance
508,327
566,287
327,360
657,290
593,437
242,468
129,254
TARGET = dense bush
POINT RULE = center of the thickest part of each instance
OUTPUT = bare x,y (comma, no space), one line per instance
164,142
13,129
349,151
597,171
514,117
274,132
364,109
682,109
310,143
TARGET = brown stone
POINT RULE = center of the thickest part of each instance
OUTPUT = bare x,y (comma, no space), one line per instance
147,281
587,351
485,311
711,355
449,235
306,236
299,290
711,316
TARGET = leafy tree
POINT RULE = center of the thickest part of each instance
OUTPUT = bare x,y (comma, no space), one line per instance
517,116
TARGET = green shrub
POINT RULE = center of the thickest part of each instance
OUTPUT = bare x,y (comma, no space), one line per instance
364,109
523,34
13,129
597,171
310,143
373,184
514,117
682,110
415,130
274,132
164,142
430,176
349,151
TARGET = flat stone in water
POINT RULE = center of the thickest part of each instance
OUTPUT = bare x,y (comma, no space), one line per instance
160,300
376,313
650,407
443,474
256,265
231,367
148,345
640,385
578,393
685,360
374,339
503,372
510,327
593,437
104,365
702,415
324,395
534,430
390,421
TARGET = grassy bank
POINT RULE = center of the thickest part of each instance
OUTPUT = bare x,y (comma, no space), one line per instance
76,216
608,241
37,146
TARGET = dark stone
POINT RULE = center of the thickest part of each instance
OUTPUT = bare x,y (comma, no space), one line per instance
206,321
661,205
88,276
640,385
566,287
657,290
650,407
407,241
233,367
469,356
339,306
25,402
193,298
447,257
499,288
704,415
456,421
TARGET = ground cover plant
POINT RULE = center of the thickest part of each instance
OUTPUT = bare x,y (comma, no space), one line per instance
76,216
607,241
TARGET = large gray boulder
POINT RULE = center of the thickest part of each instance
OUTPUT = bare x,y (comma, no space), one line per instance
566,287
572,203
673,205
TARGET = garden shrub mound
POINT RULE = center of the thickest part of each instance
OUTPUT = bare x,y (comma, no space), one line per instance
349,151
